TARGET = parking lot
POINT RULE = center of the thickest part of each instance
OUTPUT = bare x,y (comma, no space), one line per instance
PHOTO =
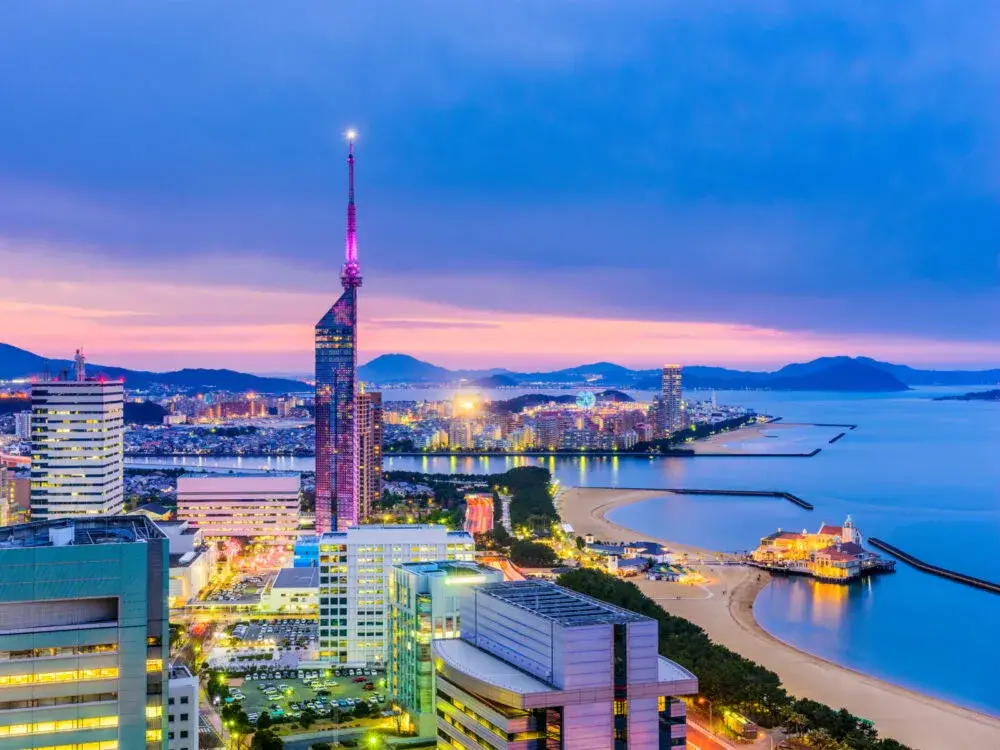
285,633
285,694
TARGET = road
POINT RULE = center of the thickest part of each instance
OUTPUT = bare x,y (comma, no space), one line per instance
699,739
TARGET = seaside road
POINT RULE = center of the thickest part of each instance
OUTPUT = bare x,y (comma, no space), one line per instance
699,739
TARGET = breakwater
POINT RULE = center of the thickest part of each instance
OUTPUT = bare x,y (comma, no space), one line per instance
835,438
936,570
795,499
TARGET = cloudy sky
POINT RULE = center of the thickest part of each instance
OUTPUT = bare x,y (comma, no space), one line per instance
540,182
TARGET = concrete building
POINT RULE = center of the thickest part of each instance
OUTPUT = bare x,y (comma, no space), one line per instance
369,452
83,634
354,580
192,561
182,709
538,665
479,512
22,425
424,605
294,590
306,552
77,466
459,434
671,405
261,507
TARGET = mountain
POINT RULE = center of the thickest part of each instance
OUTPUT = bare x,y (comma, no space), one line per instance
827,373
402,368
913,376
20,363
850,375
495,381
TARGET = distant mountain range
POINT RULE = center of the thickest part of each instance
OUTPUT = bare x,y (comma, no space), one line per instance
19,363
860,374
993,395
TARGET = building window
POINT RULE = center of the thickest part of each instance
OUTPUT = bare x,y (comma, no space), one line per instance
184,700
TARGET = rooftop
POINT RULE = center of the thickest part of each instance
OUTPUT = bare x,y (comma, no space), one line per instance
179,672
557,604
389,533
77,531
297,578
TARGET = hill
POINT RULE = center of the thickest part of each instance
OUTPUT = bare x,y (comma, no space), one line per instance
993,395
20,363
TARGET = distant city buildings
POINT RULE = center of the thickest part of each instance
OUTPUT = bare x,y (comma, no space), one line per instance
354,579
258,507
337,506
22,425
537,661
369,452
479,512
83,622
77,446
423,606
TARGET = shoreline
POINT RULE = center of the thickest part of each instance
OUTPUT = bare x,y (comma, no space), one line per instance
921,721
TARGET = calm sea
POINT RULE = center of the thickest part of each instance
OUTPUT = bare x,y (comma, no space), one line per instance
921,474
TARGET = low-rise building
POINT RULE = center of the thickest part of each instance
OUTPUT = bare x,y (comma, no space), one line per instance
259,507
294,590
424,605
192,561
536,661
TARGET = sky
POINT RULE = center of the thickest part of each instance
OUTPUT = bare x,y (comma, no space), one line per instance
540,184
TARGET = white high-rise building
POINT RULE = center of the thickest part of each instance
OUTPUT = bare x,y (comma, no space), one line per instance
354,579
77,431
22,425
671,401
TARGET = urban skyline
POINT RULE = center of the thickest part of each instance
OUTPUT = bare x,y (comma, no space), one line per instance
859,222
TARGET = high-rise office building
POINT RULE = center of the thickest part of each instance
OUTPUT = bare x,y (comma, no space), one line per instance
538,665
77,428
265,508
336,391
354,579
671,406
423,606
369,452
460,434
84,634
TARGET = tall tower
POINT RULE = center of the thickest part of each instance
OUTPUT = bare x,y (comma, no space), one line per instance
336,383
671,414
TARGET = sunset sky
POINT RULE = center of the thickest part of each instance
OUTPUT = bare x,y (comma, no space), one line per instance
540,184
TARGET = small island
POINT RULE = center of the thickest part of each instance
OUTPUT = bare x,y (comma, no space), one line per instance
993,395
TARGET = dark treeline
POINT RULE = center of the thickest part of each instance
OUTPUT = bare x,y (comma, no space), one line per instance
728,679
672,444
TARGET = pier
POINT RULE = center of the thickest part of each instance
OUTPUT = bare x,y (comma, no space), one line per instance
952,575
730,493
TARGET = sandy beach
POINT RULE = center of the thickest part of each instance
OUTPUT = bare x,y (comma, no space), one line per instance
724,608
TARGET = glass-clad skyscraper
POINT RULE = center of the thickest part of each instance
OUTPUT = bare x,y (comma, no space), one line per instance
336,392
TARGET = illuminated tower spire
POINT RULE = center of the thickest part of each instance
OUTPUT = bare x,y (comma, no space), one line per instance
350,276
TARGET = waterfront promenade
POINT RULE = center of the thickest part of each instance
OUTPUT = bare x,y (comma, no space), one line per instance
724,608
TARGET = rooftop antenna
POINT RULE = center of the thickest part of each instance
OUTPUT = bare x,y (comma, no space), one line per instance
350,276
80,366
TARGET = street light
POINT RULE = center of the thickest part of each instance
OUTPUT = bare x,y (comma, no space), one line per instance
711,727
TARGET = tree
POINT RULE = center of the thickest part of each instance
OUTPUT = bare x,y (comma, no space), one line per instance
266,739
308,718
581,543
362,710
321,746
264,720
532,554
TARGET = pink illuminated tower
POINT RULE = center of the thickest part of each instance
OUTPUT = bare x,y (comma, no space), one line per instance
336,389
